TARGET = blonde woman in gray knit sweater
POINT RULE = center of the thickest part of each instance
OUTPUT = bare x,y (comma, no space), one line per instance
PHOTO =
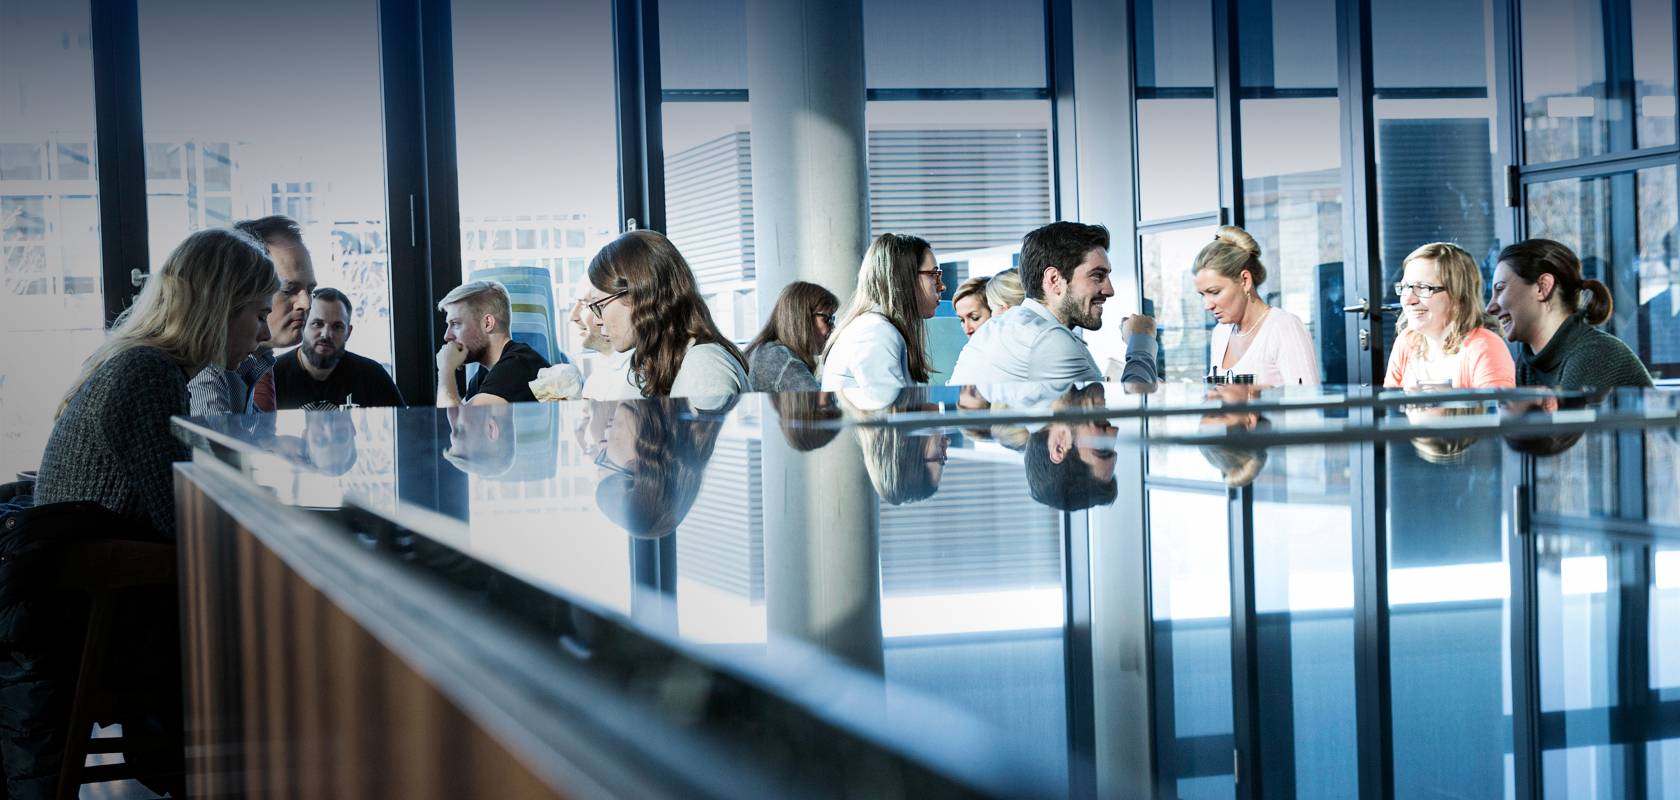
111,444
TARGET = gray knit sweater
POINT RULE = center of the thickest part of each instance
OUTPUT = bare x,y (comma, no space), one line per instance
772,367
112,444
1580,356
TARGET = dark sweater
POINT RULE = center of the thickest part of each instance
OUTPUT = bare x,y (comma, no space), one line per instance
1581,356
112,444
773,367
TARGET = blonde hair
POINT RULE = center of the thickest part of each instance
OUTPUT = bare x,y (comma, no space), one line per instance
1231,253
187,303
481,298
975,286
886,285
1458,271
1004,289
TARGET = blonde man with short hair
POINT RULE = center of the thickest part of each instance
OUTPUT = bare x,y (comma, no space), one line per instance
477,318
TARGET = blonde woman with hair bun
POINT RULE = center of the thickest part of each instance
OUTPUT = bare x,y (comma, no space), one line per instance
1444,337
1252,338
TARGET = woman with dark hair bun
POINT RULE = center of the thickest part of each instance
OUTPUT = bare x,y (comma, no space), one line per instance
1537,299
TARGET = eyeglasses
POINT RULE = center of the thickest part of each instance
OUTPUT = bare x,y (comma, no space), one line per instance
595,307
1424,291
828,318
938,275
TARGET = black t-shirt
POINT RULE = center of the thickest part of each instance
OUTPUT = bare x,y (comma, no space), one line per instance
356,378
511,378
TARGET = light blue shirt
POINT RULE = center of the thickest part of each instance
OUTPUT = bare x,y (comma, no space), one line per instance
1027,343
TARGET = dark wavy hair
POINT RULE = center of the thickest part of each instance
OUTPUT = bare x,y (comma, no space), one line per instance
665,305
673,445
1535,257
793,321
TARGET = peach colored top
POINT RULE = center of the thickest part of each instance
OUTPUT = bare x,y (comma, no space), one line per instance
1484,362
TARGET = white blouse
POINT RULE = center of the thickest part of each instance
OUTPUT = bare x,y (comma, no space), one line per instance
868,351
1282,353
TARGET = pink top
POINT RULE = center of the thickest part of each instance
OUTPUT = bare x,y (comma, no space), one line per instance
1484,362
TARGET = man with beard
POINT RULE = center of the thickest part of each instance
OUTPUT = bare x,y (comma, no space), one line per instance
1064,269
320,374
1070,463
477,318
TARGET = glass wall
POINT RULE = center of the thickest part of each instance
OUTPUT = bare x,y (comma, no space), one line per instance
51,298
536,149
1435,132
1292,162
249,113
960,145
1598,89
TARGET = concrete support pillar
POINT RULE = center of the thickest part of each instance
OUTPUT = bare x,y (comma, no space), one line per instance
810,150
822,548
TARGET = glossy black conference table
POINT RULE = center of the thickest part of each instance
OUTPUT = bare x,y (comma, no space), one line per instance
1025,590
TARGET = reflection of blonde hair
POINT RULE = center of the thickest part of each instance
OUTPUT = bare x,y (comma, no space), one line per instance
895,462
1457,270
186,305
1004,289
1439,449
1232,252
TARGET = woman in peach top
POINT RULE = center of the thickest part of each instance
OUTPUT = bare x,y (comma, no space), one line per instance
1446,338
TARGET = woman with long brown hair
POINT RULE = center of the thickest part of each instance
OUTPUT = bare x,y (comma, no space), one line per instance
783,357
880,340
650,304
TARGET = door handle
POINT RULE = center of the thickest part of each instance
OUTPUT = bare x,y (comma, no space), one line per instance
137,277
1368,308
1363,309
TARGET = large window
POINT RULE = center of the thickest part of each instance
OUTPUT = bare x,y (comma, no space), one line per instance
251,111
536,145
1630,245
50,266
959,134
1292,163
1434,131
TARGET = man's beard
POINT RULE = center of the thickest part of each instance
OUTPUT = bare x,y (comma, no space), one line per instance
1072,310
319,361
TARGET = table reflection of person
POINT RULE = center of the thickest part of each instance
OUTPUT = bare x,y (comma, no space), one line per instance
1545,444
809,420
651,463
904,465
481,439
1239,465
1441,449
1066,469
329,441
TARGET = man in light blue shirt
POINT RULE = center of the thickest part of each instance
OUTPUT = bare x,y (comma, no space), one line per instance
1064,269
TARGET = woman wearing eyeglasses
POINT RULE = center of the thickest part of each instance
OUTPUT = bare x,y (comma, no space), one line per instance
1537,300
1444,337
650,304
783,357
880,342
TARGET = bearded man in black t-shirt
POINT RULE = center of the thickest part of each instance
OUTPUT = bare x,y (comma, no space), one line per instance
321,373
478,317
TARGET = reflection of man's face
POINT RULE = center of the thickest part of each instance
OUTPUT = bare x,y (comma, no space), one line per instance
473,431
330,439
620,439
969,399
1087,441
